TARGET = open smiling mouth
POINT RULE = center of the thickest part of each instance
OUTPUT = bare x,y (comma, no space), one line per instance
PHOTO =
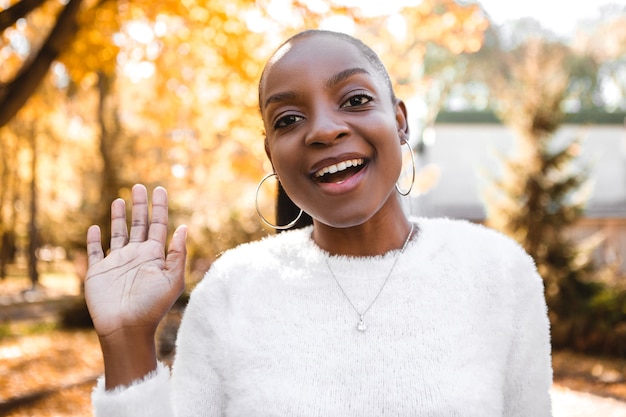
337,173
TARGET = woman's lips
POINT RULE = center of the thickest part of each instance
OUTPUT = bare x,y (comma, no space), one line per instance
342,181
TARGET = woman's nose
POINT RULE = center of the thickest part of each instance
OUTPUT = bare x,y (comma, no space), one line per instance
325,127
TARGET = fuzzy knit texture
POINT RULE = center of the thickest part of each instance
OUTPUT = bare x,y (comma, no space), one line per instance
460,329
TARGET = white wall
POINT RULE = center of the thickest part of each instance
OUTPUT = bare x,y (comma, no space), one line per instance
466,156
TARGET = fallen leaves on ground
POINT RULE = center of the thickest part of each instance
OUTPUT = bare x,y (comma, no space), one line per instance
603,376
52,374
49,374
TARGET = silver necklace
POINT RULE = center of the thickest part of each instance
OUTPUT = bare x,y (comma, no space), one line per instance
361,326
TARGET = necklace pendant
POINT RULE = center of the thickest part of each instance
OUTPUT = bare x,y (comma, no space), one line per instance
361,326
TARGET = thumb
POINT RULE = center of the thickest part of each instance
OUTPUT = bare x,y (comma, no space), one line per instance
177,253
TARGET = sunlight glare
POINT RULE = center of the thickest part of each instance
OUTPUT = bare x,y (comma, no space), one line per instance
338,23
160,28
153,50
61,76
179,171
10,352
282,11
317,6
19,43
119,38
21,24
396,25
140,31
137,71
378,8
77,129
559,16
256,22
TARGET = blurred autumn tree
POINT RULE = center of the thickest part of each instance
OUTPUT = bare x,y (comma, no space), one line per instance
28,73
166,93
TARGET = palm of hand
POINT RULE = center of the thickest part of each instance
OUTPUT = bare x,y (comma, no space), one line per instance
136,283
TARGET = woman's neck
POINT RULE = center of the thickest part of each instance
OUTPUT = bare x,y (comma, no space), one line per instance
372,238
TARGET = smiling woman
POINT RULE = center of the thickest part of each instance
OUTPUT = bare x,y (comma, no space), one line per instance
341,109
363,313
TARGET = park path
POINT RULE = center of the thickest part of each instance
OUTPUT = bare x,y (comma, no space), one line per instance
569,403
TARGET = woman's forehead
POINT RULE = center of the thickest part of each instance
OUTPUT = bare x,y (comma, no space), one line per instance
312,55
315,42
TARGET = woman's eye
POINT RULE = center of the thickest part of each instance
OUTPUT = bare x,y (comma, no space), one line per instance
287,121
357,100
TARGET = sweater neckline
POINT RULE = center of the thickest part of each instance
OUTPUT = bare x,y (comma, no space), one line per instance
361,266
389,254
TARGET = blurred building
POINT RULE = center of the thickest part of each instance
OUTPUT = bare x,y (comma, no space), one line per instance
462,154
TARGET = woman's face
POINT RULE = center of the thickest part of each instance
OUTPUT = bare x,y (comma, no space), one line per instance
333,133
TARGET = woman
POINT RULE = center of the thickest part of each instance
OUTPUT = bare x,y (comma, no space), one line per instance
364,313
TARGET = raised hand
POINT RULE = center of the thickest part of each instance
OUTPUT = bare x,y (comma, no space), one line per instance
130,290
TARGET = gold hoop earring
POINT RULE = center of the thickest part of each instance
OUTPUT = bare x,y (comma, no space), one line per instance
405,193
258,209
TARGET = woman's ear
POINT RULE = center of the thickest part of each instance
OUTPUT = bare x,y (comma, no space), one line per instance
402,119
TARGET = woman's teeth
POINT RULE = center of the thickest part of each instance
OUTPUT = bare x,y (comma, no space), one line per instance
341,166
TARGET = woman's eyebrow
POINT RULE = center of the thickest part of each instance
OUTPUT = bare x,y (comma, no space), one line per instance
332,81
278,97
344,75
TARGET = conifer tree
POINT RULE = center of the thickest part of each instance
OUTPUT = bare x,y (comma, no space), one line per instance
540,195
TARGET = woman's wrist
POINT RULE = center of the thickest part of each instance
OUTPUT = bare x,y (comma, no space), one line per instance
129,355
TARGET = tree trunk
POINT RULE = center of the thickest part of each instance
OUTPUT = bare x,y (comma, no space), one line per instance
33,232
110,182
8,203
3,262
3,193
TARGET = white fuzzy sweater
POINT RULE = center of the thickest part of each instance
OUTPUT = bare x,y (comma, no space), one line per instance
460,329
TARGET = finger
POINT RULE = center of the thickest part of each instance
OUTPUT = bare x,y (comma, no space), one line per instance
119,230
139,219
158,223
176,257
94,246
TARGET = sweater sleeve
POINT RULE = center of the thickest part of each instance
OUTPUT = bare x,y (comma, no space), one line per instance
148,397
197,373
529,371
